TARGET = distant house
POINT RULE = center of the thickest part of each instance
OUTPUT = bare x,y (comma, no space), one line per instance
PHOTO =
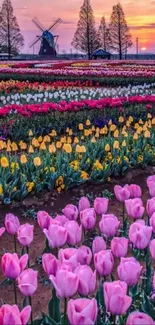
101,54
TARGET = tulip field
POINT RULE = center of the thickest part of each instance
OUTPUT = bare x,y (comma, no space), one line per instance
77,193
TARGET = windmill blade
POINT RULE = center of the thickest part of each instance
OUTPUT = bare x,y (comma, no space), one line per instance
34,42
38,24
58,21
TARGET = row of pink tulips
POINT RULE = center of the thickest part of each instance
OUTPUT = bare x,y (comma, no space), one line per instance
71,271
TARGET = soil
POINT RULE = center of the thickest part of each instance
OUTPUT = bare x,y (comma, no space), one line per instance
53,203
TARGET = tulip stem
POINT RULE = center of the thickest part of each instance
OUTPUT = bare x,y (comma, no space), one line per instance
30,301
15,243
15,292
65,311
27,251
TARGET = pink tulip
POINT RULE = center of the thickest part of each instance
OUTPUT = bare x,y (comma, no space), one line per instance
152,248
11,223
12,266
151,186
50,264
115,295
140,234
150,206
2,230
84,203
125,270
43,219
88,218
62,219
101,205
65,283
82,311
121,193
87,279
71,212
119,246
74,232
150,179
84,255
135,190
152,222
99,244
27,282
25,234
134,208
104,262
56,235
68,256
109,225
137,318
10,315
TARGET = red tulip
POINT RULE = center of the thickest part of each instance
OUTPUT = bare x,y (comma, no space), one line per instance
25,234
82,311
10,315
11,223
12,266
27,282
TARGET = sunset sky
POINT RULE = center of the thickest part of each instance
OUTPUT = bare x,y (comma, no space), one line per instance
140,15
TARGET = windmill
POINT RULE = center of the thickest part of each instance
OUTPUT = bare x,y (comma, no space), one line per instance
48,40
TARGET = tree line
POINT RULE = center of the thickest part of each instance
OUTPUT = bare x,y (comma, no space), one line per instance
114,37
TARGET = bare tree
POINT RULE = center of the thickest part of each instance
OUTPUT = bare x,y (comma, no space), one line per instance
104,35
85,37
119,31
11,39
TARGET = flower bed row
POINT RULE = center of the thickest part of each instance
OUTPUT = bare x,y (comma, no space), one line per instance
86,289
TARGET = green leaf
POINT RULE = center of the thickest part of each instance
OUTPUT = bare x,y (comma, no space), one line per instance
46,320
25,302
147,306
54,307
37,321
64,320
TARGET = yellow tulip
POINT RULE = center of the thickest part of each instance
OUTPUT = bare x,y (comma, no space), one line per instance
52,148
107,147
121,119
83,149
153,121
40,139
78,149
93,140
30,133
31,150
76,140
35,142
46,139
69,140
70,132
135,136
93,128
116,145
42,146
67,130
112,127
14,146
86,133
23,159
67,148
4,162
124,143
8,149
116,134
130,119
147,134
149,115
23,145
88,122
80,126
37,161
1,189
58,144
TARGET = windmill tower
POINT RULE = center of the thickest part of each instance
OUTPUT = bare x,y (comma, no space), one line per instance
48,39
